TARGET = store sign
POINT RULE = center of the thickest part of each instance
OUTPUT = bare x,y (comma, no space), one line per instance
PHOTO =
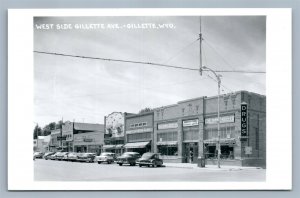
170,125
188,123
88,140
223,119
248,150
244,119
139,130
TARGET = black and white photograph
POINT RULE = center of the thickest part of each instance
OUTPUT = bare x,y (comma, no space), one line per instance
151,101
151,98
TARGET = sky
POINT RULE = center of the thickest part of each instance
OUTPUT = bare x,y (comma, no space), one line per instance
85,90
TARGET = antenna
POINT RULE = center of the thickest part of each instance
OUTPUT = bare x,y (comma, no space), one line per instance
200,39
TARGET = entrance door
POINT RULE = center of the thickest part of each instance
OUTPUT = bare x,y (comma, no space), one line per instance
190,153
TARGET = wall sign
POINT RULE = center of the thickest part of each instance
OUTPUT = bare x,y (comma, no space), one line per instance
244,120
139,130
188,123
248,150
223,119
170,125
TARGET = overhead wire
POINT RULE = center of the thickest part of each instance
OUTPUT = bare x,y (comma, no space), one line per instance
141,62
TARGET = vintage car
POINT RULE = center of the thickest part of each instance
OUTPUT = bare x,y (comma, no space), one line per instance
46,156
53,157
61,156
72,157
86,157
106,157
38,155
150,159
128,158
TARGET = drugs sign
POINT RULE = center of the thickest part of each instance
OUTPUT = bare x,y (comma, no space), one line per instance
244,120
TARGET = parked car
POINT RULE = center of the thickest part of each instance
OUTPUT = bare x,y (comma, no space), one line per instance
105,157
61,155
71,157
38,155
150,159
53,157
128,158
46,156
86,157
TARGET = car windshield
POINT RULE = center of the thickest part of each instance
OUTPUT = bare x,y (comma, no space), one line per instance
127,155
147,155
106,154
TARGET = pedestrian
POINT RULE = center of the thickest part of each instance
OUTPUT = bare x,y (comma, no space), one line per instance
191,156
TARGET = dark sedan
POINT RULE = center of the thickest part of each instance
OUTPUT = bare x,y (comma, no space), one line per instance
86,157
128,158
150,159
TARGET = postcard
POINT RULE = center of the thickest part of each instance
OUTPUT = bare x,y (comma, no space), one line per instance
149,99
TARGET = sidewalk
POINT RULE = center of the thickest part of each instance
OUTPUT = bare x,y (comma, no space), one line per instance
208,167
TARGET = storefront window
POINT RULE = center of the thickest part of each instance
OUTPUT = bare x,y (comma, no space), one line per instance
168,150
138,137
225,132
226,152
169,136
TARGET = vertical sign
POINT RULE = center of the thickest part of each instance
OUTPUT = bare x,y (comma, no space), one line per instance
244,119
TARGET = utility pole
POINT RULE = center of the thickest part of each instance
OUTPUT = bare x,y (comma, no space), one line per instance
218,77
200,39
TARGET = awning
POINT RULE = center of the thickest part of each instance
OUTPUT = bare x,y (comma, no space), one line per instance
109,146
119,146
168,143
136,145
222,141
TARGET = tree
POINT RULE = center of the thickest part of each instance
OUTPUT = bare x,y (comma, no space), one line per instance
37,131
147,109
58,124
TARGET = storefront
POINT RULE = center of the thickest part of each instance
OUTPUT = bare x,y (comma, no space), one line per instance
67,134
88,138
139,133
114,138
55,143
167,140
188,130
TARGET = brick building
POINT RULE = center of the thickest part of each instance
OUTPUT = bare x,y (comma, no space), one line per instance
139,132
185,131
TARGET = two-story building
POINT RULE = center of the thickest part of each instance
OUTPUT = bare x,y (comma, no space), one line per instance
139,132
188,130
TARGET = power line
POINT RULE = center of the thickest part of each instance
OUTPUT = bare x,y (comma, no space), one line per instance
144,63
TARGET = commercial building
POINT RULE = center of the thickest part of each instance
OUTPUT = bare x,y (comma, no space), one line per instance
55,143
114,138
188,130
88,137
139,132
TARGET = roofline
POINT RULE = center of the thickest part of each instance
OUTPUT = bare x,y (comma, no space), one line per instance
140,114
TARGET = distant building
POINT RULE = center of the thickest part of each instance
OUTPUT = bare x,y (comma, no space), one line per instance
88,137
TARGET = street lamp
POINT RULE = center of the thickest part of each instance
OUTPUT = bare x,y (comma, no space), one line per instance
218,77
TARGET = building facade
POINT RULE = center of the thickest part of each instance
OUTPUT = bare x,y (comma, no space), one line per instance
88,138
55,143
188,130
67,134
139,132
114,137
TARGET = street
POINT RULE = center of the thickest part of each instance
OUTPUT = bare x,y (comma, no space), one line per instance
48,170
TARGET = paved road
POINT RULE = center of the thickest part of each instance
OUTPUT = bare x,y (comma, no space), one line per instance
48,170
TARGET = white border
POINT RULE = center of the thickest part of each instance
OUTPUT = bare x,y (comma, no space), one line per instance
20,101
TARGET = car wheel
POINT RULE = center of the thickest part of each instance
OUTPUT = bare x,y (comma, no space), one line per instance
108,162
154,165
133,164
140,165
99,162
120,164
